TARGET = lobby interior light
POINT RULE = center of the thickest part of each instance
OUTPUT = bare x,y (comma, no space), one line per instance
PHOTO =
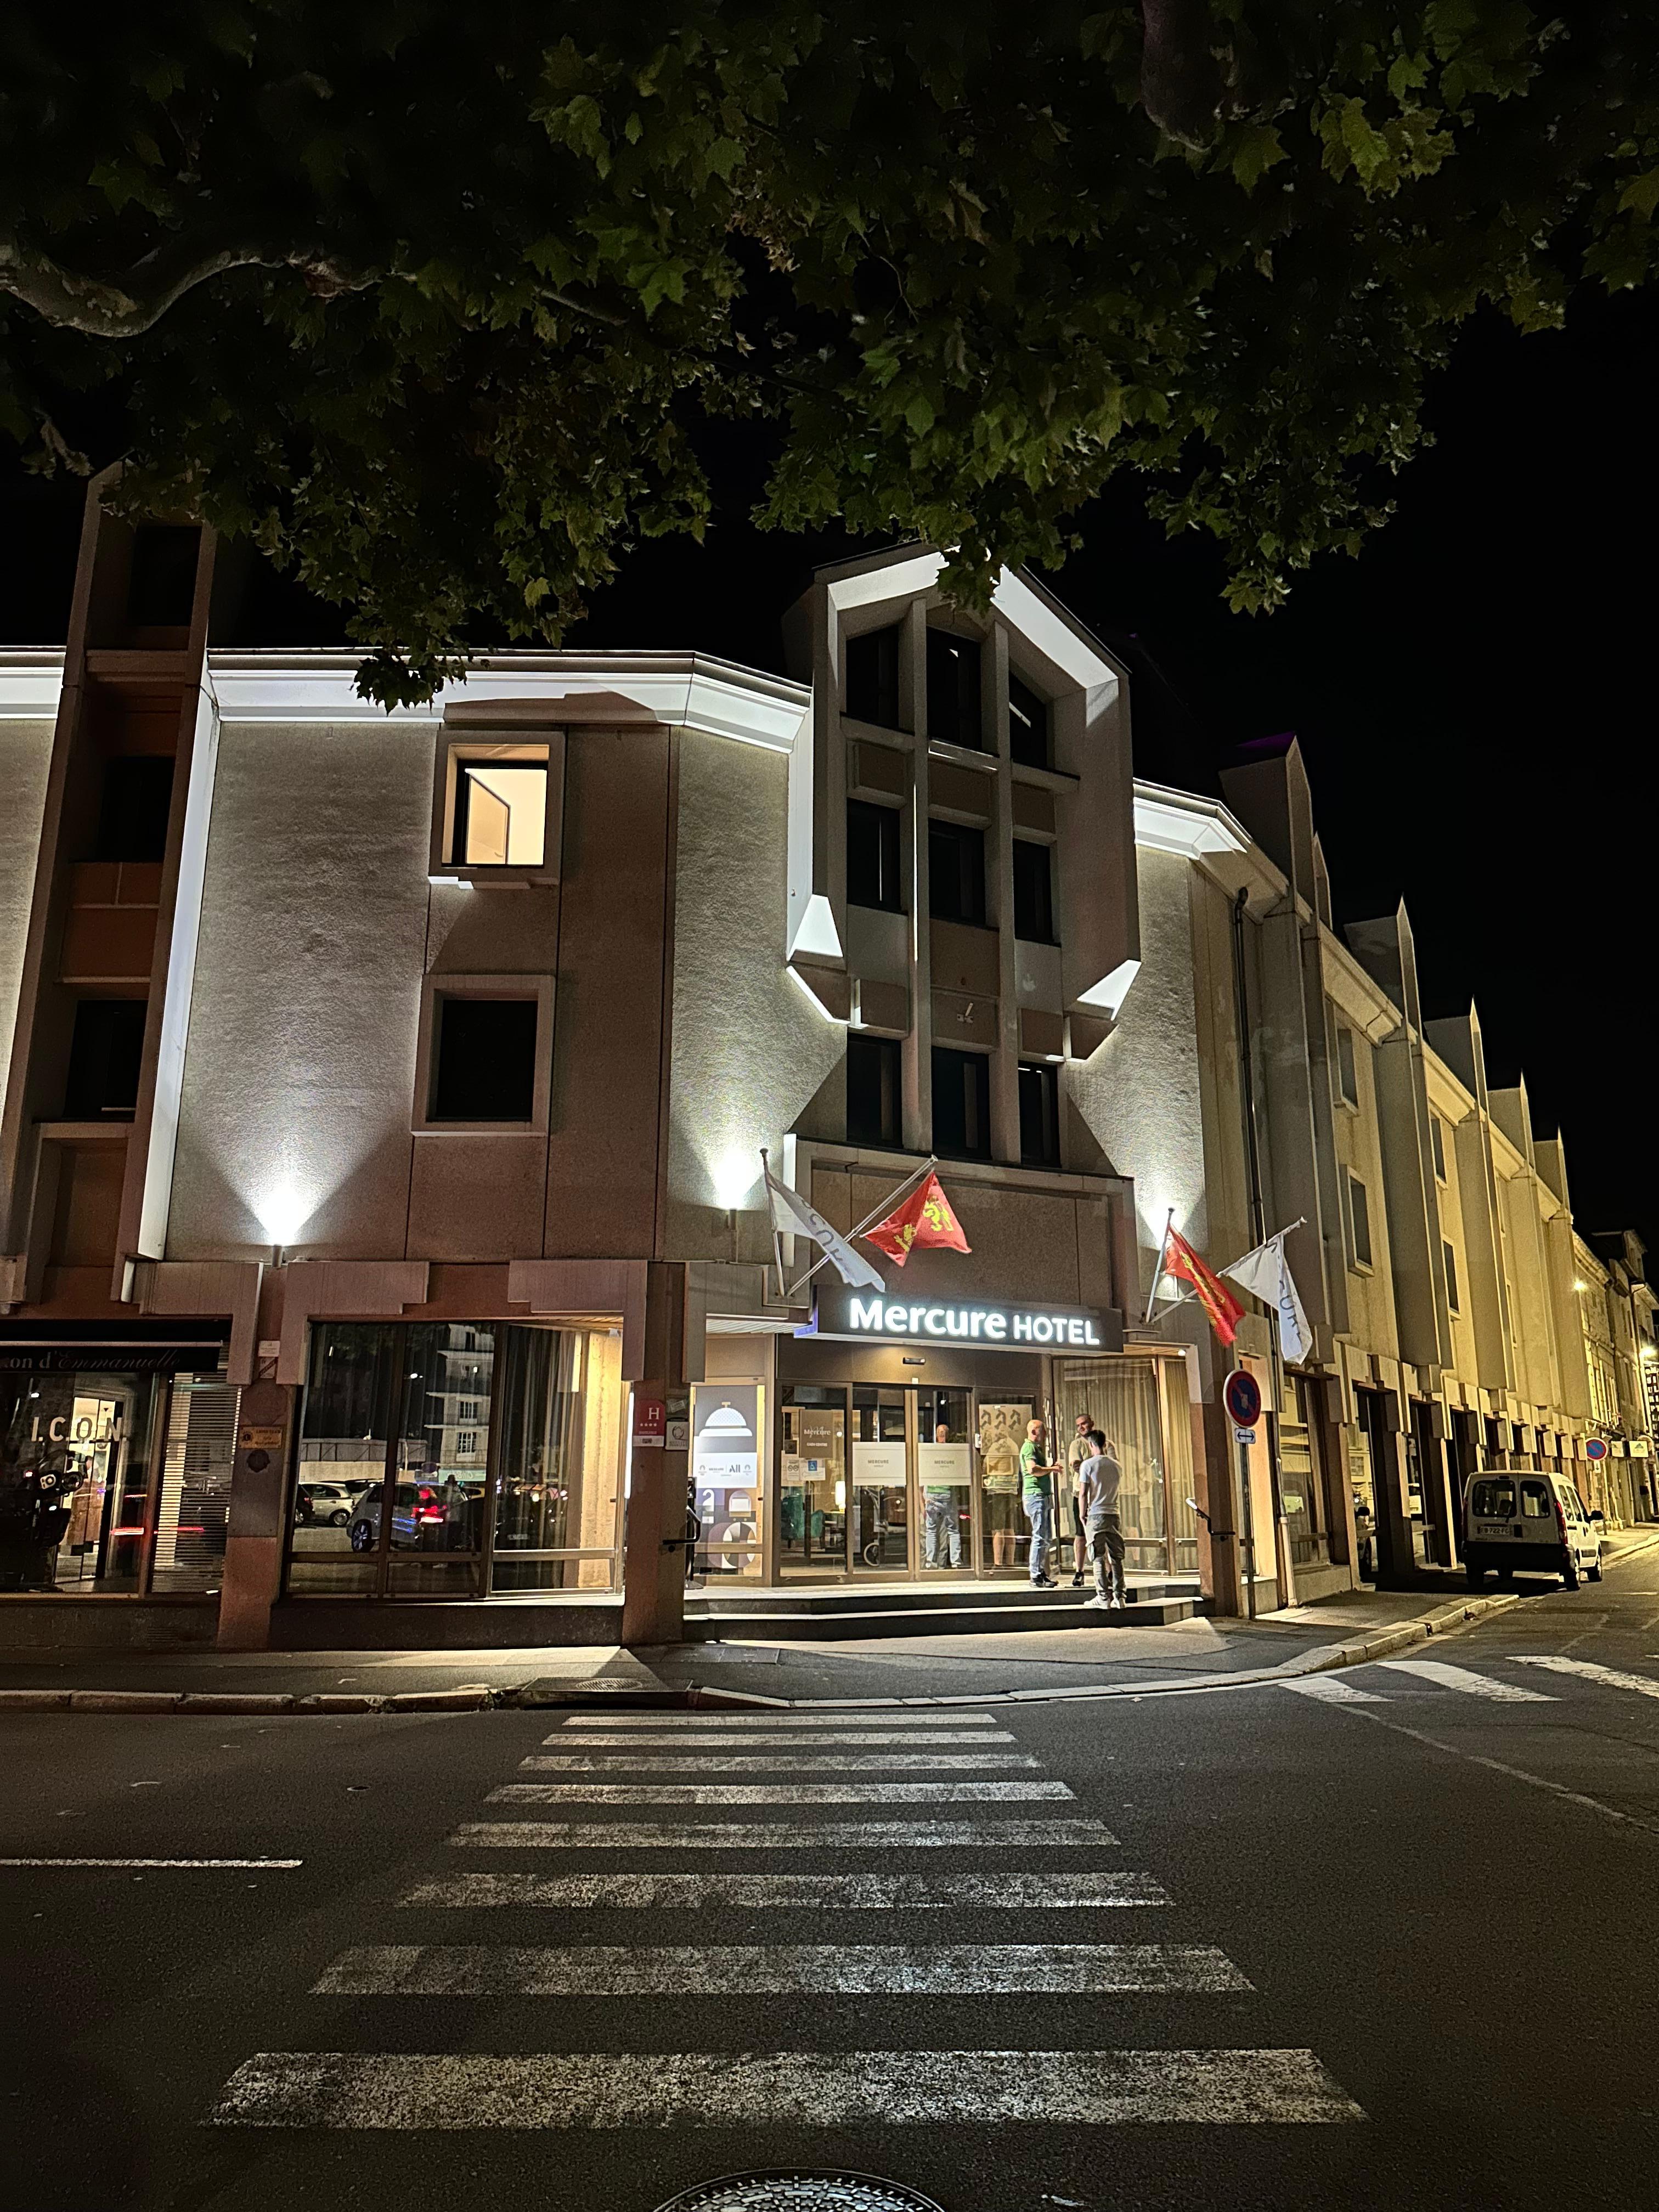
727,1425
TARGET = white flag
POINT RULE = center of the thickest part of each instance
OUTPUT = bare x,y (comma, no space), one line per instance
1266,1275
792,1214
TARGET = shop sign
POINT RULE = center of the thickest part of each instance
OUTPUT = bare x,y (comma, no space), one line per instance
868,1316
650,1424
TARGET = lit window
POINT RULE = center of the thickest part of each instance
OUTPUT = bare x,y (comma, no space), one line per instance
1359,1222
466,1443
501,812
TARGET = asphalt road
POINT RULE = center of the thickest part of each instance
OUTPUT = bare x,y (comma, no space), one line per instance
1386,1942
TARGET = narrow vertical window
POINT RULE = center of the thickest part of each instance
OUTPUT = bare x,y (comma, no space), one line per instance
1039,1114
873,1094
1028,726
953,702
872,663
1034,893
872,856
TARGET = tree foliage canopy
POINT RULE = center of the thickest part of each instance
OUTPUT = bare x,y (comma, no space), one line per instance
431,302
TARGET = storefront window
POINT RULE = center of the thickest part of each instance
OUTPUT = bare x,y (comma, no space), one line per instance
80,1509
339,1489
1300,1476
726,1479
1121,1398
559,1494
812,1482
878,1507
1004,1538
945,1477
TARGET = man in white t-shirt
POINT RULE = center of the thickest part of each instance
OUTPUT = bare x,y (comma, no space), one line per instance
1099,1479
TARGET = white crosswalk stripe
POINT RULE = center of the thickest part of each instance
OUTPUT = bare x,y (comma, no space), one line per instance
775,1793
819,1892
775,1762
1460,1678
779,1739
919,1970
1609,1678
767,1835
797,2089
886,1717
1331,1691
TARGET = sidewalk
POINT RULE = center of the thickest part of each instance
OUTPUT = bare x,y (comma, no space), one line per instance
1074,1662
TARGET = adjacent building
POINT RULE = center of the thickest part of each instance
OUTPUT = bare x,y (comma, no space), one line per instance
383,1247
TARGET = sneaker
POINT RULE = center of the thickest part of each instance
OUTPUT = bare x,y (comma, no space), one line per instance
1077,1582
1099,1604
1044,1582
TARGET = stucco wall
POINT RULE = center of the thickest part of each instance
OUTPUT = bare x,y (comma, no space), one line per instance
750,1050
25,756
300,1070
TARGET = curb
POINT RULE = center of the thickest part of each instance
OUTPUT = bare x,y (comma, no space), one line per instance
246,1702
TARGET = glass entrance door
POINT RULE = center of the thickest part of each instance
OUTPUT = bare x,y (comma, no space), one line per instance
878,1515
944,1482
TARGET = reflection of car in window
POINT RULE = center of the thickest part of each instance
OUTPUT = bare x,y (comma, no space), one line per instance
424,1517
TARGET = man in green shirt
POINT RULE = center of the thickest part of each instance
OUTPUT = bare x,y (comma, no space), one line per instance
1037,1486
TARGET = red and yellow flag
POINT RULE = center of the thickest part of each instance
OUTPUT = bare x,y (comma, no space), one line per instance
924,1217
1218,1301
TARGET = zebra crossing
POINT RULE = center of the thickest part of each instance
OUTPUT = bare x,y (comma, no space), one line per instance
668,1836
1417,1677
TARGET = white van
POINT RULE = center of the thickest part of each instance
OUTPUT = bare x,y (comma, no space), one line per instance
1532,1522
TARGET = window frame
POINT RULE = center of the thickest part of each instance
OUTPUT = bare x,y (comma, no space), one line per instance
942,825
983,1061
1048,1074
544,745
441,986
895,818
889,1052
1346,1065
1045,709
885,640
1454,1292
1050,898
1364,1264
974,740
1438,1148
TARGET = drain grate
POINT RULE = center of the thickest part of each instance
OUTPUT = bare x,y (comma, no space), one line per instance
791,2192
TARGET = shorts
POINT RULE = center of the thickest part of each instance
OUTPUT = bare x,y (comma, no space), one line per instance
999,1510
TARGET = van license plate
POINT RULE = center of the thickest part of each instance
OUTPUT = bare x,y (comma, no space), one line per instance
1491,1527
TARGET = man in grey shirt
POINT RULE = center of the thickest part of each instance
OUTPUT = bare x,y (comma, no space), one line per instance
1099,1480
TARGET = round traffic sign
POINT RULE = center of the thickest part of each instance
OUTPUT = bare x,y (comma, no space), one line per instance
1241,1394
1596,1448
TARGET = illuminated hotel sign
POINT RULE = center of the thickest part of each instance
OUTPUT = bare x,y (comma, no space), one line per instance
875,1317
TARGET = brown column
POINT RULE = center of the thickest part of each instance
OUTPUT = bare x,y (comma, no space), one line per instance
654,1548
253,1545
1214,1453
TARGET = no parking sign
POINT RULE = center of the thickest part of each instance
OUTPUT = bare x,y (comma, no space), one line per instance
1241,1394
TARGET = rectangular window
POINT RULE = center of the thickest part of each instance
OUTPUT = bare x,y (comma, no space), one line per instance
1437,1145
1028,725
1537,1504
500,811
953,708
1034,893
105,1053
872,857
1452,1298
483,1060
873,1090
873,688
962,1104
132,813
955,873
1359,1222
1347,1078
1493,1499
1039,1114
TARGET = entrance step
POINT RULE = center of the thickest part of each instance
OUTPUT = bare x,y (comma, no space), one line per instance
965,1619
903,1597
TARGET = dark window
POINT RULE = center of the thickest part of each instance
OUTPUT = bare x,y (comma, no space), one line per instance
1028,725
1493,1499
1359,1219
105,1051
132,817
872,856
953,711
1437,1145
161,587
1039,1114
1347,1077
484,1060
962,1104
873,665
873,1091
1034,892
955,873
1452,1298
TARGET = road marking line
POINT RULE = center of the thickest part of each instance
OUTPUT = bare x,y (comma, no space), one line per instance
1613,1678
849,1893
797,2089
1513,1773
785,1739
775,1762
775,1793
906,1718
739,1970
776,1836
1329,1691
1459,1678
151,1863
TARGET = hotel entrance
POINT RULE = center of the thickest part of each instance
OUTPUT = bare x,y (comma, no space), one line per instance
877,1480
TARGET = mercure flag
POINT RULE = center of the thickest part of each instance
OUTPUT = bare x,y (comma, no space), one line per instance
794,1216
1266,1275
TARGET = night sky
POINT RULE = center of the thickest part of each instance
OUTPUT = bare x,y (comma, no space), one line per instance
1472,695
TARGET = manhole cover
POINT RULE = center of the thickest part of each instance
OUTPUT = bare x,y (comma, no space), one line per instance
800,2192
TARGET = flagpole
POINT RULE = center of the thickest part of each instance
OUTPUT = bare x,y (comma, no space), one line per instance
875,1214
777,1239
1158,1272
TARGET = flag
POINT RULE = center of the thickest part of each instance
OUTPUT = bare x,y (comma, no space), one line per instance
1266,1273
794,1216
924,1218
1224,1311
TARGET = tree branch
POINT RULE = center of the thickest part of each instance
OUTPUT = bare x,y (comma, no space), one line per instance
127,305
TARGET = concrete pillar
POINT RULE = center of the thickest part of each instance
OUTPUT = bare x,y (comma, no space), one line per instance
258,1519
1220,1566
654,1544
